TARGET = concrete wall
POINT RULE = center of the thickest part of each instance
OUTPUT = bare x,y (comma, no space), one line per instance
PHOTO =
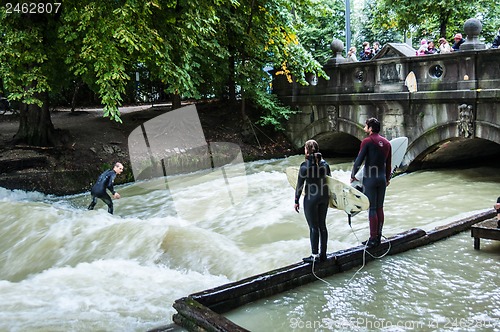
457,104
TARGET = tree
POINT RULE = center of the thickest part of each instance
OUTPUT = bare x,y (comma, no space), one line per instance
318,24
370,32
181,43
429,18
27,65
256,35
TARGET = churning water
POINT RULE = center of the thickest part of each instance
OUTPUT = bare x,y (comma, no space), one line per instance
63,268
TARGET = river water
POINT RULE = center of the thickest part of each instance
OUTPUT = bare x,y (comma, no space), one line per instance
63,268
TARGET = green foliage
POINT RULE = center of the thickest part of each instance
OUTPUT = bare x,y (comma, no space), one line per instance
275,114
434,19
370,32
105,167
193,48
22,60
318,23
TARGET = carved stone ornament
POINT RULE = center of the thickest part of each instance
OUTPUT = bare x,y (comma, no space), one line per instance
332,117
465,121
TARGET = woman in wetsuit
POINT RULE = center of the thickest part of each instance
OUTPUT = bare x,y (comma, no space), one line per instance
312,179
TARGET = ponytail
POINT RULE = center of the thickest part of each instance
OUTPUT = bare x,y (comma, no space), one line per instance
318,156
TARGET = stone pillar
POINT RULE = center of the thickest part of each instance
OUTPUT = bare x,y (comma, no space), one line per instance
337,46
472,27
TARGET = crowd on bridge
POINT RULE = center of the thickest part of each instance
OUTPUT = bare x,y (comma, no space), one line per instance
426,47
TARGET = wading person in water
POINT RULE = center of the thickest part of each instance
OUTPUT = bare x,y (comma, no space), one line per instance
105,181
375,151
312,179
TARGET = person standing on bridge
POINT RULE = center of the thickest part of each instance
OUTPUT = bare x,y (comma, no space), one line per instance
459,40
312,179
376,152
105,181
496,41
444,46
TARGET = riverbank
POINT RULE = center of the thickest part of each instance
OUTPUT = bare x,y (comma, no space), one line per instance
91,144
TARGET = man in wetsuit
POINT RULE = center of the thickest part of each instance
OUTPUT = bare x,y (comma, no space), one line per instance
105,181
312,179
376,152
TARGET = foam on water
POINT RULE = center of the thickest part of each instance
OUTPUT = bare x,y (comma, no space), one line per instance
65,268
106,294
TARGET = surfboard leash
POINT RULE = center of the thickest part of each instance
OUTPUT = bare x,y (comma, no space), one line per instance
364,254
314,274
364,257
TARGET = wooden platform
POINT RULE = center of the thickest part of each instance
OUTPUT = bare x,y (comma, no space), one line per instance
204,311
485,230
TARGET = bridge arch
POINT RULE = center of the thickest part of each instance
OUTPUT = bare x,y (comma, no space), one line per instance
450,117
427,143
335,136
445,143
456,140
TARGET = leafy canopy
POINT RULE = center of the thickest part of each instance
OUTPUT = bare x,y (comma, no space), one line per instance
191,46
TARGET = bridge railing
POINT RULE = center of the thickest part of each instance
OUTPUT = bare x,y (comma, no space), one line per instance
457,98
464,70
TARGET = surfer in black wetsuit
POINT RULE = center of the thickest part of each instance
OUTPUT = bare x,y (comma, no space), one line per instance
312,179
375,151
105,181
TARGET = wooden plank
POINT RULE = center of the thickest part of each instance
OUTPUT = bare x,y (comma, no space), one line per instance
197,311
477,243
252,284
233,303
456,227
350,258
197,317
233,295
485,230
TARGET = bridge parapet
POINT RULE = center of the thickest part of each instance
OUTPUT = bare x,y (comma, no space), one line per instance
457,100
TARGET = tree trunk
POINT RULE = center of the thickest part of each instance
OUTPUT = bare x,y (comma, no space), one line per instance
244,115
443,22
75,92
35,126
176,101
231,84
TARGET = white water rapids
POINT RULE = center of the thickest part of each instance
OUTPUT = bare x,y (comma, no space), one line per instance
63,268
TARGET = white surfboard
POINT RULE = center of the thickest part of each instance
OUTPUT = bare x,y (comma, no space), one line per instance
398,147
411,82
342,195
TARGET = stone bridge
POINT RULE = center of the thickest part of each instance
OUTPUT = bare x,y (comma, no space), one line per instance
453,116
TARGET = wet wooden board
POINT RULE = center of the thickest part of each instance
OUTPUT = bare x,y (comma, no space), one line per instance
203,310
485,230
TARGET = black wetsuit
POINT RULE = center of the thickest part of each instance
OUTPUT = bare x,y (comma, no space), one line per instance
312,178
105,181
375,150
